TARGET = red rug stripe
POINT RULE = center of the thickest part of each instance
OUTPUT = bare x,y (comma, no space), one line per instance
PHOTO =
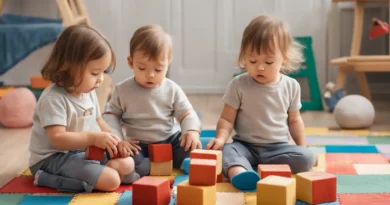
341,169
24,184
364,199
355,159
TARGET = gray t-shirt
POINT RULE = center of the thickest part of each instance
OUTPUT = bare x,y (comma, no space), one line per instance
56,107
262,111
148,114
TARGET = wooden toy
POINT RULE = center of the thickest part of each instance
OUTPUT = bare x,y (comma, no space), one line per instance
38,82
220,178
208,154
5,90
160,152
378,28
161,168
151,191
316,187
94,153
203,172
282,170
276,190
196,195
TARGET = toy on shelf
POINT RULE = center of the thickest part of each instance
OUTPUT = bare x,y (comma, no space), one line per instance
160,159
151,191
378,28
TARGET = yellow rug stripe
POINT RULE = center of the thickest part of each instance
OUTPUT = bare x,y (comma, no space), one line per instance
95,199
26,172
316,131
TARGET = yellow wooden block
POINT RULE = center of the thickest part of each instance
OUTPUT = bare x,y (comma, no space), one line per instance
209,154
316,131
250,198
276,190
95,199
26,172
161,168
195,195
310,187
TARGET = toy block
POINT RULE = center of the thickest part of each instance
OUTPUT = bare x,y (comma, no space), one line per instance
316,187
5,90
161,168
208,154
282,170
151,191
160,152
195,195
38,82
220,178
94,153
203,172
186,165
276,190
378,28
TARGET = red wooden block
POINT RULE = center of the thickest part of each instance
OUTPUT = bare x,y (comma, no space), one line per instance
316,187
24,184
220,178
208,154
203,172
94,153
364,199
282,170
378,28
341,169
160,152
151,191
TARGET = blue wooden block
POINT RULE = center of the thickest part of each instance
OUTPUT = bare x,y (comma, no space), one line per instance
351,149
43,200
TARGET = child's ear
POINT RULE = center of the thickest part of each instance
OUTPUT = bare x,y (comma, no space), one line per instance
130,61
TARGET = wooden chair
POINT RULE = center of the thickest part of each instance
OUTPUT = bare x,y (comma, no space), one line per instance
356,63
73,12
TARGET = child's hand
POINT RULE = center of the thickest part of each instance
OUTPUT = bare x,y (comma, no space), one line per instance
128,148
215,144
191,140
106,140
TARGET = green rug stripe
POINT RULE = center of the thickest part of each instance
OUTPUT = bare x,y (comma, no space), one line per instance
8,199
363,184
379,140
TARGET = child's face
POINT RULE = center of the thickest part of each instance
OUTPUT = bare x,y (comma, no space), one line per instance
94,74
264,68
148,73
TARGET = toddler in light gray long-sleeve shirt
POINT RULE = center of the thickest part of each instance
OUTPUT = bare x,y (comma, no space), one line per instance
149,107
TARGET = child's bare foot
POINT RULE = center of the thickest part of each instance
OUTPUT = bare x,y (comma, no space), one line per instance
243,179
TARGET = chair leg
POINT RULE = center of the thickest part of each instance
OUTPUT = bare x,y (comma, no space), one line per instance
363,85
341,78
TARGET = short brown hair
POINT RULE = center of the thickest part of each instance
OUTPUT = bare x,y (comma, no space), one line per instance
74,48
153,40
264,33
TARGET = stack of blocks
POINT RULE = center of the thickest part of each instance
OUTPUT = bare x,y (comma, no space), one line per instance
160,159
278,188
201,189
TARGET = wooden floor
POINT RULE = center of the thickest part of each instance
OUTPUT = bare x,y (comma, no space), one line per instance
14,142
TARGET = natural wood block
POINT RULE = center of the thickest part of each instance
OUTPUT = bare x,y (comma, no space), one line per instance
208,154
316,187
203,172
282,170
160,152
195,195
151,191
161,168
276,190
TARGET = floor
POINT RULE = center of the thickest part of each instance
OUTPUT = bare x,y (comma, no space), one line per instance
14,142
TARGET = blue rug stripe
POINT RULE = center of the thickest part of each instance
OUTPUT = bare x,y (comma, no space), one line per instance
43,200
351,149
126,198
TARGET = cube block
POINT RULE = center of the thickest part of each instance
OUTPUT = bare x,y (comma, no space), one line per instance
220,178
161,168
203,172
38,82
195,195
160,152
94,153
208,154
282,170
276,190
151,191
316,187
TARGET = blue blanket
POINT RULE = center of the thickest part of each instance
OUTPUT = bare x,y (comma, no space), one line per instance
21,35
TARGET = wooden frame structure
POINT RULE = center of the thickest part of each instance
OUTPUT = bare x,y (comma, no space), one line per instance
356,63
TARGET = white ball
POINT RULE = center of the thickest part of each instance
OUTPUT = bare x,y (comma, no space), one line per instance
354,112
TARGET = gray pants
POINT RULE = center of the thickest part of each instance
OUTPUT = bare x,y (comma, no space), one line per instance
142,162
69,172
300,159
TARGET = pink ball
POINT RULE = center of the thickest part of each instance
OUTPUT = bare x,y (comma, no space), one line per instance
17,108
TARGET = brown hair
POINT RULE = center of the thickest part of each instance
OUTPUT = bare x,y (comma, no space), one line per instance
264,33
152,40
74,48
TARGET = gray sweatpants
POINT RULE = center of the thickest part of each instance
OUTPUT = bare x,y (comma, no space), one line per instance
300,159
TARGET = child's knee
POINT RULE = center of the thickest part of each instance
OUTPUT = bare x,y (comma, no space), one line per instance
305,161
127,165
109,180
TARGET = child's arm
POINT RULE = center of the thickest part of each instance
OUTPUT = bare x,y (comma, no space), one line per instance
296,127
111,118
224,127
